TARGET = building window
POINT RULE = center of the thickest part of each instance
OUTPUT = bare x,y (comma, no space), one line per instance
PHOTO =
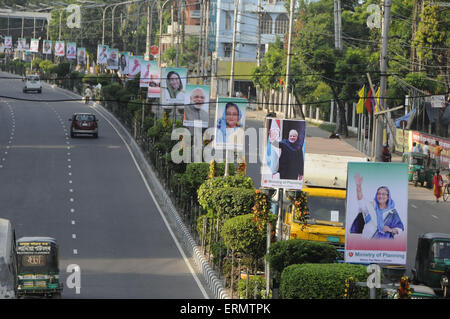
227,47
227,21
281,24
266,24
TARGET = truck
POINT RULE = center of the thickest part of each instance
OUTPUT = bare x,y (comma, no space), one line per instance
325,183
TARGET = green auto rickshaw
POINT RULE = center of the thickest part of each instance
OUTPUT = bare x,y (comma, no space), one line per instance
38,269
432,266
420,168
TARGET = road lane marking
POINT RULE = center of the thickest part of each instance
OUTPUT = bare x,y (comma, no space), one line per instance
74,236
434,216
75,251
414,206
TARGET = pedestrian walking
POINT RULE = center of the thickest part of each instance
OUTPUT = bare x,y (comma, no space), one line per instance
437,154
437,185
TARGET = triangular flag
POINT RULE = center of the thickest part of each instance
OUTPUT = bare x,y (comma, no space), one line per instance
360,105
368,102
377,96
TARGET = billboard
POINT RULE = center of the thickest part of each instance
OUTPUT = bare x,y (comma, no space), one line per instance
377,213
154,89
284,154
71,50
173,85
81,56
112,61
34,45
102,54
47,47
196,108
59,48
230,123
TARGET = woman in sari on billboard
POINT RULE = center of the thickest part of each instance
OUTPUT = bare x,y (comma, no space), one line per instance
378,219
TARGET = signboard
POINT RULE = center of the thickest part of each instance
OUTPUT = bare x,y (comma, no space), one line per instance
47,47
59,48
81,56
173,84
230,123
134,65
437,101
102,54
284,153
34,45
196,108
154,89
123,62
112,61
21,44
145,74
154,50
71,50
8,42
377,213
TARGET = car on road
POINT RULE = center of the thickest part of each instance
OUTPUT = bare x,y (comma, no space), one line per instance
84,123
32,83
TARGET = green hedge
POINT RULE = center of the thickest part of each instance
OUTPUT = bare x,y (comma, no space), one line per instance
296,251
241,234
257,282
321,281
206,190
232,201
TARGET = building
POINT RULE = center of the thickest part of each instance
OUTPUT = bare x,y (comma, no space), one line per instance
274,23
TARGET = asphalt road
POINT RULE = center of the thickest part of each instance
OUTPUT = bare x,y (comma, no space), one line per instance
89,195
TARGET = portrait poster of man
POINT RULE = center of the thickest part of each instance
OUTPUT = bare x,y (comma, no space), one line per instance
47,47
81,56
196,108
377,213
123,62
112,62
8,42
102,54
154,89
134,65
21,44
59,48
34,45
173,86
71,53
284,153
145,74
230,123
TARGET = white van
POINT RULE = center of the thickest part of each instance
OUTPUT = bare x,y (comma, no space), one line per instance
32,83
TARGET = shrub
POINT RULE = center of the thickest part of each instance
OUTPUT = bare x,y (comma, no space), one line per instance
296,251
257,282
206,190
321,281
232,201
241,234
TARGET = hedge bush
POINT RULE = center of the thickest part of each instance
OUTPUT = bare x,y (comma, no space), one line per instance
232,201
321,281
296,251
241,234
206,190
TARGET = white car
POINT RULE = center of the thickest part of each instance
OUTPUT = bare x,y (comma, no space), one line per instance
32,83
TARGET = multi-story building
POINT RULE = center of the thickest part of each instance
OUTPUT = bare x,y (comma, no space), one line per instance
274,22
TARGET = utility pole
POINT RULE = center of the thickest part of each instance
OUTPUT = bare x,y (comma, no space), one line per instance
233,49
258,36
178,31
147,42
205,44
200,41
337,25
288,64
378,124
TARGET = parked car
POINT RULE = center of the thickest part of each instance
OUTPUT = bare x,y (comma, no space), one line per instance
32,83
84,123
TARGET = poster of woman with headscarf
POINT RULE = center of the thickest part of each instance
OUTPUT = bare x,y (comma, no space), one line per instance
230,123
173,86
284,153
377,213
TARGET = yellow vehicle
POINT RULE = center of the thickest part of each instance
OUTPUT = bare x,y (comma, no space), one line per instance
325,182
